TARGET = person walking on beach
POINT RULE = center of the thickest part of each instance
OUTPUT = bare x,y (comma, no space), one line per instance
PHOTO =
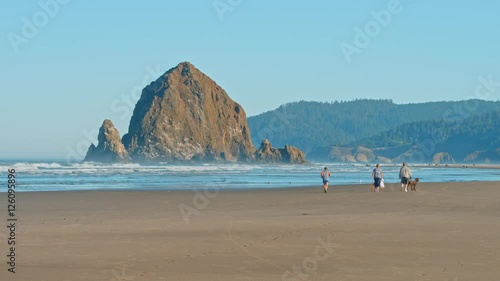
404,175
325,175
377,176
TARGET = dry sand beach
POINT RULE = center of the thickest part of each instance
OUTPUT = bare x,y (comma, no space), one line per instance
445,231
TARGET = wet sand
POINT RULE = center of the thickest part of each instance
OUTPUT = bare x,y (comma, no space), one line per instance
444,231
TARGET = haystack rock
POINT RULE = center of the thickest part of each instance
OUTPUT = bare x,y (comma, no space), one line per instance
110,147
288,154
185,115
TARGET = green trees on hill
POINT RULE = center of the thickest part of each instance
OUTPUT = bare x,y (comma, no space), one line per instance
481,131
314,125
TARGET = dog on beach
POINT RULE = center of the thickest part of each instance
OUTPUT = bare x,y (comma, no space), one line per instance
413,184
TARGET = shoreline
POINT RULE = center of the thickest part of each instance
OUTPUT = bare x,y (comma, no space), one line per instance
309,163
431,165
248,189
458,166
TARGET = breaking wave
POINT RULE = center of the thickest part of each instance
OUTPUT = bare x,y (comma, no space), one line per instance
57,176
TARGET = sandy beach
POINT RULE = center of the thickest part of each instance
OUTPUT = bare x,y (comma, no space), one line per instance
445,231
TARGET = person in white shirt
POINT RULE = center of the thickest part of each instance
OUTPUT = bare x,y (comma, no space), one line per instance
404,175
377,176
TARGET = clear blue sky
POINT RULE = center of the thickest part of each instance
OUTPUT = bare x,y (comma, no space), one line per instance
87,54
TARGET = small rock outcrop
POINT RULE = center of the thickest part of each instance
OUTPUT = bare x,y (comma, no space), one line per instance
363,154
475,156
110,148
342,154
442,157
288,154
351,154
384,160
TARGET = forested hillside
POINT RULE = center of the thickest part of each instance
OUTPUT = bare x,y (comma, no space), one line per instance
314,125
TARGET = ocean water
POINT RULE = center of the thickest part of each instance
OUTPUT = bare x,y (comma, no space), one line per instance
60,176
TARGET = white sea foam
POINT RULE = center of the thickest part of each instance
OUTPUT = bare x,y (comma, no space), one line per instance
86,175
89,167
27,166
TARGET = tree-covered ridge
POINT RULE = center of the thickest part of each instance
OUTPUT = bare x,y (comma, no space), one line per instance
478,132
313,125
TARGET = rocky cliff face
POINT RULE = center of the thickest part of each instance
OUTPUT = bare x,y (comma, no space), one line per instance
484,156
185,115
475,156
110,147
409,153
288,154
442,157
383,160
351,154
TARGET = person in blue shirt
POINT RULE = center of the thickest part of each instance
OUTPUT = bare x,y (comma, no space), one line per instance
377,176
325,175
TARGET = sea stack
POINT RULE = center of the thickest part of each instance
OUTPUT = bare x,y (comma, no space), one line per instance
288,154
185,115
110,148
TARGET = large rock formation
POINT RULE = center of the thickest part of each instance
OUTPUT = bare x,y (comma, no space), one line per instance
185,115
110,147
288,154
